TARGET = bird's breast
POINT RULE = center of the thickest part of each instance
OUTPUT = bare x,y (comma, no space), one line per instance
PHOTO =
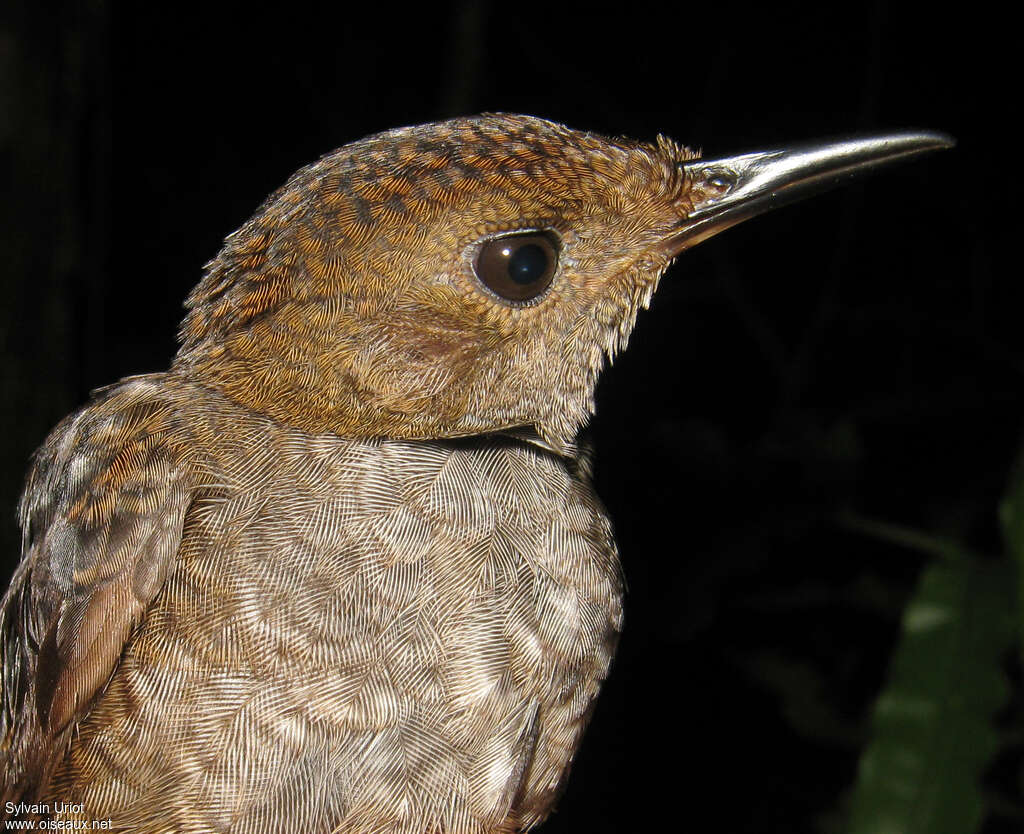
359,631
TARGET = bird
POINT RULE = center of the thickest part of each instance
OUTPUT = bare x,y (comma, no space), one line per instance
342,567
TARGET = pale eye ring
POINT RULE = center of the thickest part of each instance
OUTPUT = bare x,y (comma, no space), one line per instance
518,267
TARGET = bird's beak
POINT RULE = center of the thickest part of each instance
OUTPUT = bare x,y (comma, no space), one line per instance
727,191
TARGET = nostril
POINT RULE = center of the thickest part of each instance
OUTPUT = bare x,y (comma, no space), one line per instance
717,183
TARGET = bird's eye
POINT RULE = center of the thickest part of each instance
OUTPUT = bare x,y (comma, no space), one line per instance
518,267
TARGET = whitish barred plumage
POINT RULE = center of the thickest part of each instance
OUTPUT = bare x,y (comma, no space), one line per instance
379,633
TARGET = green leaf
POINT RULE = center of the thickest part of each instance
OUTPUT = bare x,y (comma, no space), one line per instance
1011,515
932,733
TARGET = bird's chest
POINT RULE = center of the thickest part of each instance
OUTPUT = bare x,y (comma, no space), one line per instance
346,590
468,563
403,619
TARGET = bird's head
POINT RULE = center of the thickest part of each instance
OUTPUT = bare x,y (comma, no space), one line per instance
470,276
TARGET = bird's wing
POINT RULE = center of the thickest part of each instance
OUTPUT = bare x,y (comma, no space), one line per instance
101,520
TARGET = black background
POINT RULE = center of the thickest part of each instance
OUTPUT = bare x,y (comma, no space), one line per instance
853,356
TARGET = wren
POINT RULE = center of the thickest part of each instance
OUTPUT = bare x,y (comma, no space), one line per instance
341,568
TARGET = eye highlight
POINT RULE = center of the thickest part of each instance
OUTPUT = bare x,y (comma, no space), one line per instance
518,267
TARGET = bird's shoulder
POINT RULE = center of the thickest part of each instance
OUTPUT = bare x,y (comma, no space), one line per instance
101,519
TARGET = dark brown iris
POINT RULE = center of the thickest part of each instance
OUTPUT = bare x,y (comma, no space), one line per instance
518,267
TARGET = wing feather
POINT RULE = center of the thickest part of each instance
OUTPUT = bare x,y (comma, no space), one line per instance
101,518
